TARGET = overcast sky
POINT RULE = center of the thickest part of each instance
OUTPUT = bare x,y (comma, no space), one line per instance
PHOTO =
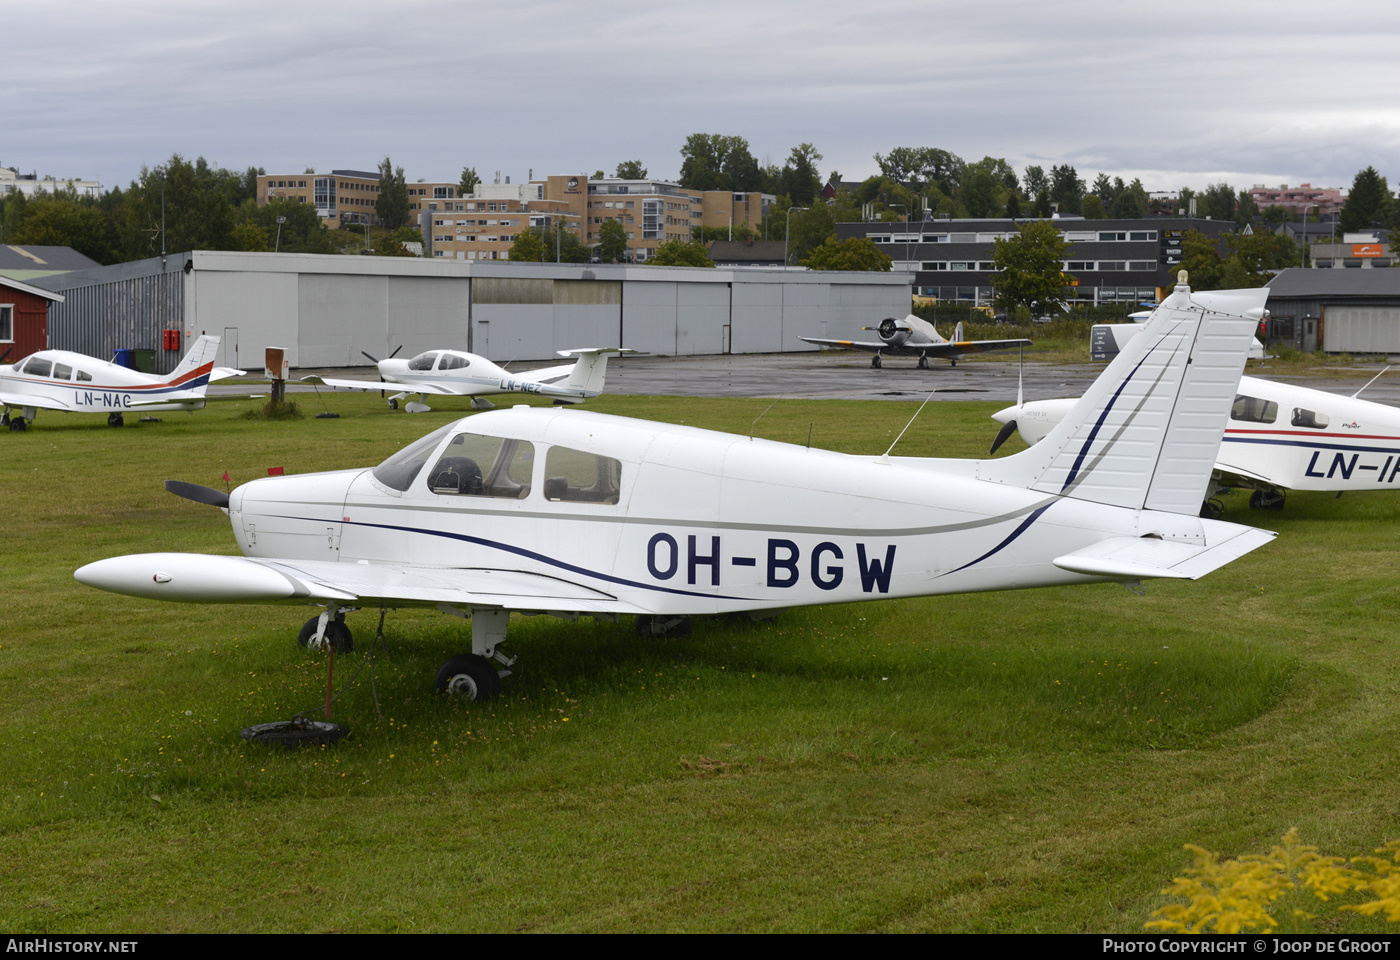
1186,93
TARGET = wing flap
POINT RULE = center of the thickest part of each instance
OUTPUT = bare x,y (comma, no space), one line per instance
1142,558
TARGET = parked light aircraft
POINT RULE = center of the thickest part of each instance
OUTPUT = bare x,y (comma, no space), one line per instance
571,512
1280,437
461,374
76,383
915,336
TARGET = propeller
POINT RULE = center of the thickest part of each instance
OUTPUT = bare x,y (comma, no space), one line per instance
1002,436
193,491
390,357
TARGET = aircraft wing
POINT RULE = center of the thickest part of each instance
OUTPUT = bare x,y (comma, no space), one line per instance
434,388
30,400
200,578
948,349
1229,476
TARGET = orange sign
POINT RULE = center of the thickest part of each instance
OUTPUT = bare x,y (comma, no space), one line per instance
1365,249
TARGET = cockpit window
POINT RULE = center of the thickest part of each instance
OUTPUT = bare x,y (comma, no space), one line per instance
61,371
1253,410
450,361
398,471
476,466
1309,418
37,367
83,375
580,477
424,361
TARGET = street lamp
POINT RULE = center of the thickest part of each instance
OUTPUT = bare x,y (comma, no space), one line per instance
1312,262
278,245
788,232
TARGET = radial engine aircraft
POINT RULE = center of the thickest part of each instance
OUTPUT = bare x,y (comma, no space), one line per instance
570,512
461,374
915,336
76,383
1280,437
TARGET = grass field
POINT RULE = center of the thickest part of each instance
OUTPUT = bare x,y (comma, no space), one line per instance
1024,761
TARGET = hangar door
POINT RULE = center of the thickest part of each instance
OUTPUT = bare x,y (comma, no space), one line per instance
1361,329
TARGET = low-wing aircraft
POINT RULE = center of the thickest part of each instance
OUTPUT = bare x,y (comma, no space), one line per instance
76,383
1280,437
915,336
570,512
457,373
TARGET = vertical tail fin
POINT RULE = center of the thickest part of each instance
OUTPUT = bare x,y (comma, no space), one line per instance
1146,433
590,369
958,333
193,369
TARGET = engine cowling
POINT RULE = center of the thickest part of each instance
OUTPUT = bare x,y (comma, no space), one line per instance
894,332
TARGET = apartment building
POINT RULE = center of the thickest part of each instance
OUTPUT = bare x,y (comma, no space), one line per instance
1323,201
31,185
1109,261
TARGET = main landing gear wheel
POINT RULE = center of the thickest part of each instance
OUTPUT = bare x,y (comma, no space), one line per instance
114,420
336,632
875,362
1212,510
923,362
649,625
393,404
469,677
17,425
1267,499
5,419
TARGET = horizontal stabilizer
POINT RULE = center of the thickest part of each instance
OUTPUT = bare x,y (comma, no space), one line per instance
1142,558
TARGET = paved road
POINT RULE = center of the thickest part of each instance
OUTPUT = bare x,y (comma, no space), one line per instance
849,376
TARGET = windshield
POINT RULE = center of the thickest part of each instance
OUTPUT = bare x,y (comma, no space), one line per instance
399,470
424,361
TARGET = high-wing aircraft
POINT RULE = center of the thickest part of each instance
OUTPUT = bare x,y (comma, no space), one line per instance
1280,437
915,336
76,383
571,512
461,374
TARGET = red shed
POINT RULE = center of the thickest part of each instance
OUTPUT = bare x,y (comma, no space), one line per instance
24,318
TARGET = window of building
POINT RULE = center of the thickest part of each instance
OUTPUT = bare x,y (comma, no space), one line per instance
1112,265
1142,265
1109,236
7,322
1079,265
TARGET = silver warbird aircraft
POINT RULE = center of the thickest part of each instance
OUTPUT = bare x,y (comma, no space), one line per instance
457,373
76,383
914,336
570,512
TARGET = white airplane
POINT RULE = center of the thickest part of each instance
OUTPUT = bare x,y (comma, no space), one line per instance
1280,437
77,383
461,374
914,336
568,512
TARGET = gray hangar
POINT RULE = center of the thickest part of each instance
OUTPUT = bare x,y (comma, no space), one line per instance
326,309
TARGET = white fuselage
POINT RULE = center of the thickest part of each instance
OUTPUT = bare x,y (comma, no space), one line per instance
703,522
469,375
1280,435
83,384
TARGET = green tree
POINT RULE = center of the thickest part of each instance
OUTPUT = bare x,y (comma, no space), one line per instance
247,235
1367,203
707,235
981,194
680,253
1277,215
1035,182
301,229
178,206
1066,189
467,185
62,220
923,166
801,182
853,253
1029,269
1093,207
1201,259
612,242
1246,210
810,229
1131,202
599,175
528,246
1218,202
630,170
1254,258
392,204
713,161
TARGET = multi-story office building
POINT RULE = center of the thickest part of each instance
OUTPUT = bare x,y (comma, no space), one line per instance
31,185
1109,261
650,212
347,196
1363,250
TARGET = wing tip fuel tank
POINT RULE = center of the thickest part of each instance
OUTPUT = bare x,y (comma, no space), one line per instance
190,578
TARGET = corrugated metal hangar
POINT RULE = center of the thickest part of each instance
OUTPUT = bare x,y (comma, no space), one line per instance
325,309
1336,311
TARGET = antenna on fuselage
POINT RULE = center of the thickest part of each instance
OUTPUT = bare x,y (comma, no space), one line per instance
886,456
760,416
1357,393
